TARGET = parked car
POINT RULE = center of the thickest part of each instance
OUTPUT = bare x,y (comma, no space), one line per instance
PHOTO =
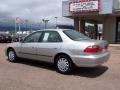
65,48
2,38
5,38
15,38
8,39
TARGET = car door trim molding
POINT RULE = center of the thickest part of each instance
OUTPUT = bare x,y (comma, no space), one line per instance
34,54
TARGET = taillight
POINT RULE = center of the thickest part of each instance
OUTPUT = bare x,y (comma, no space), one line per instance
93,49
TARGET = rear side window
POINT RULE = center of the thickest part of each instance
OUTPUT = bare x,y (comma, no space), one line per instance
51,36
75,35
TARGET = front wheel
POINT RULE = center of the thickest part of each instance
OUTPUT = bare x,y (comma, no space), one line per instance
11,55
64,64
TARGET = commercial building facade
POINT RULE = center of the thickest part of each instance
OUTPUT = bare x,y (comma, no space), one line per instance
105,12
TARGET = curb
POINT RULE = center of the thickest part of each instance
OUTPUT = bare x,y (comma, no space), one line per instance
114,45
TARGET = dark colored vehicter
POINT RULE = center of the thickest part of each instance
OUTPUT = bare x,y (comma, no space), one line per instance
5,38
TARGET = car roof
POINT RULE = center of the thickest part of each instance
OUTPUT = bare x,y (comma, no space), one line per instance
54,29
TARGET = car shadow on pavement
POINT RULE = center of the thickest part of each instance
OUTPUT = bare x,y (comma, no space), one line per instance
90,72
83,72
37,64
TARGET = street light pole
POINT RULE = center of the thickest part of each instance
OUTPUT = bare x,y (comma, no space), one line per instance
15,26
19,27
45,22
39,24
26,21
56,21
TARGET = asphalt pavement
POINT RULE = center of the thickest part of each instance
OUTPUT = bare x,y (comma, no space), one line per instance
35,75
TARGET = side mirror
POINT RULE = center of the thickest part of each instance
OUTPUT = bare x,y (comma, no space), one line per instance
21,40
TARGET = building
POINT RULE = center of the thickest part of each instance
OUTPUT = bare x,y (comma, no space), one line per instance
105,12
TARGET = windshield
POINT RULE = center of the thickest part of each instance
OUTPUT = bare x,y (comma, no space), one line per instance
75,35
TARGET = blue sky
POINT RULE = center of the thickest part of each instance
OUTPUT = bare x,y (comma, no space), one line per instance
34,10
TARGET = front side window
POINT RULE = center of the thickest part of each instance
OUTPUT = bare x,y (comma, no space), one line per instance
51,36
75,35
33,37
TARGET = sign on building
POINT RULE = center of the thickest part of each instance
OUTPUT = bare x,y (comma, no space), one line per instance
84,6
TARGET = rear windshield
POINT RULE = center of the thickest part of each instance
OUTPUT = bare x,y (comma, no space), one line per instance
75,35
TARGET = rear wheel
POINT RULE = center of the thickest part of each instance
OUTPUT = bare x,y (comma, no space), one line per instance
11,55
64,64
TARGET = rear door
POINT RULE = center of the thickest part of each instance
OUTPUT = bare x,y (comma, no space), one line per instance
29,46
49,45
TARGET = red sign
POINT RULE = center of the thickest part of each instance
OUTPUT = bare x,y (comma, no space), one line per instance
84,6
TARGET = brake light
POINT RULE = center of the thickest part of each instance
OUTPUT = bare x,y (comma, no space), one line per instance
93,49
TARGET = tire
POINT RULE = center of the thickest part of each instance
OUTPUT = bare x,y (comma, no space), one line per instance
64,64
12,57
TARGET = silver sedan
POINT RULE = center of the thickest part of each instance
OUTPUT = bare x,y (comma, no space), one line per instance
65,48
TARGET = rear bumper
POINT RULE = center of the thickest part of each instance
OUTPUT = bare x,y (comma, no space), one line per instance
90,60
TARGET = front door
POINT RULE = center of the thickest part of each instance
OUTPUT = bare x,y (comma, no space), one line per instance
29,46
